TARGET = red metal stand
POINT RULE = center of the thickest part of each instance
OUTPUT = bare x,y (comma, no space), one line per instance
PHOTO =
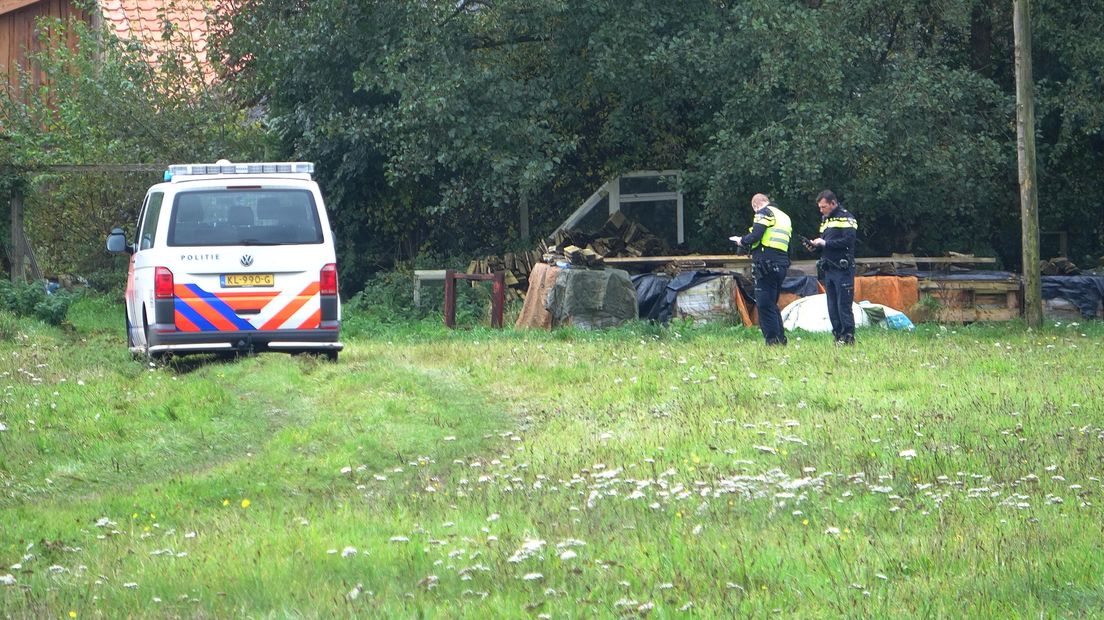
498,294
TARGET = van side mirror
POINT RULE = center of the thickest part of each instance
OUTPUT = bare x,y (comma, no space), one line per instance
117,243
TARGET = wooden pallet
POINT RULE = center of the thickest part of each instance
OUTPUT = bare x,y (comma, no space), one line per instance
967,301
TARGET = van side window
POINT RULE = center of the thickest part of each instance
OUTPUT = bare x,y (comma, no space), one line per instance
148,229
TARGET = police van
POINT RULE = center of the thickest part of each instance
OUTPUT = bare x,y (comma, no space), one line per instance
232,257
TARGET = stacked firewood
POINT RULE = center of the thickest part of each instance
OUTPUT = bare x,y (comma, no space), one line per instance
618,237
517,265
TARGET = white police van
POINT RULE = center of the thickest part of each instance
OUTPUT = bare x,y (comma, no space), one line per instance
232,257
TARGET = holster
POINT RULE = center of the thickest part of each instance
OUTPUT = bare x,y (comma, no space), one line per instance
761,268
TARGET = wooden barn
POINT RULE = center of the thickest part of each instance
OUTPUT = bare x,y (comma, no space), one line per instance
142,20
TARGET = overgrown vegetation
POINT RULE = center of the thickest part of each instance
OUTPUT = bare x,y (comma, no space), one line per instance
953,471
431,135
105,103
31,300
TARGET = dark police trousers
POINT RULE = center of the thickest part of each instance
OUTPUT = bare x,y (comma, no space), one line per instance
768,284
839,284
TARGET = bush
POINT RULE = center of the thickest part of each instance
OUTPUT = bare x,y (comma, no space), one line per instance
388,299
31,300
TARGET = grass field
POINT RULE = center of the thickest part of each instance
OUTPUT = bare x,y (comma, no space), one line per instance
951,472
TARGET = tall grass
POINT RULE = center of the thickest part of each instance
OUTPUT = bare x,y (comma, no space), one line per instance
953,471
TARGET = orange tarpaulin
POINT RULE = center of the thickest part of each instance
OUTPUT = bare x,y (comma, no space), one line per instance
533,313
897,292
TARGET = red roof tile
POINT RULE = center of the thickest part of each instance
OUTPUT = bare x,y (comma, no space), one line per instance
146,21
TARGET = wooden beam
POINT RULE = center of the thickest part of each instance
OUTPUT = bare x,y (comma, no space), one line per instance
1025,151
7,6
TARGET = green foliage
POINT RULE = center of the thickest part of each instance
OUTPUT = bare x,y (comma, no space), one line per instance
453,111
103,102
387,300
31,300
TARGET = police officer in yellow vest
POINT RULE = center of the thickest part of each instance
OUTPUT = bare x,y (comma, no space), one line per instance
769,244
838,230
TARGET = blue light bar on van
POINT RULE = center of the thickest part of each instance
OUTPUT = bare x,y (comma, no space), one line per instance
184,170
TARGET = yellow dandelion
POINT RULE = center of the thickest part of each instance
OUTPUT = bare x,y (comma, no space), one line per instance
72,614
134,516
225,502
678,515
245,503
804,522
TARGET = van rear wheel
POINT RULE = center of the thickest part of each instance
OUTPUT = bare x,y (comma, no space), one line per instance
152,357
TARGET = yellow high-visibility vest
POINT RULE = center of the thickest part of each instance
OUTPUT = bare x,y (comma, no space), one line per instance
777,235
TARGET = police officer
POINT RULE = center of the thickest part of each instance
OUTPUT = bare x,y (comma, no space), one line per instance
769,243
837,263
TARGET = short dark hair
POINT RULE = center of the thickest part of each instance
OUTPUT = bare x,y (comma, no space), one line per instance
828,195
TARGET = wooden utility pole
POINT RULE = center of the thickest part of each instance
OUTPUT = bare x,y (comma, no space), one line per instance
1025,148
17,250
523,209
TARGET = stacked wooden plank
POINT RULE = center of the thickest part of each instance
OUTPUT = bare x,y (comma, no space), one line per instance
618,237
517,265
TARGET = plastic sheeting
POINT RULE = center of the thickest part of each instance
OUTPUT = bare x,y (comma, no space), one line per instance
658,307
886,317
811,314
895,292
651,296
1085,292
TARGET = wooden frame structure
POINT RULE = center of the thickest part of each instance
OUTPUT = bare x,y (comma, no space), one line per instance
498,294
612,190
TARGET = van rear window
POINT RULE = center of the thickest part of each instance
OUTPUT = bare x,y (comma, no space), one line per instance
244,217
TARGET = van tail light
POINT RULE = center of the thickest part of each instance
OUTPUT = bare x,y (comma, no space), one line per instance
162,283
327,280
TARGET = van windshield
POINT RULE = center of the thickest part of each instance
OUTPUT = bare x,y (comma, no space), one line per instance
244,217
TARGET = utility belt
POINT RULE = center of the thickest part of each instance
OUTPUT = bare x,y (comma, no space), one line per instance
824,265
763,267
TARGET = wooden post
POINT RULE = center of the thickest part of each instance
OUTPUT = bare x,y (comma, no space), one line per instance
18,274
523,207
450,298
498,294
1025,149
498,299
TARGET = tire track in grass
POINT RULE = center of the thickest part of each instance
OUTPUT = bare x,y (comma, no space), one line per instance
249,500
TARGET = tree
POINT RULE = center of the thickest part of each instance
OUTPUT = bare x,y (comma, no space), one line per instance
108,101
430,120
